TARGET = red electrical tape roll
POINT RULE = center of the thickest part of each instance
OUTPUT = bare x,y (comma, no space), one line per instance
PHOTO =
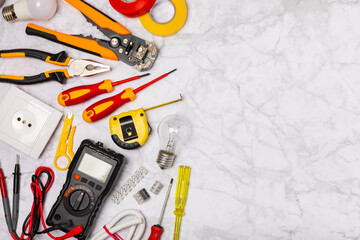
132,9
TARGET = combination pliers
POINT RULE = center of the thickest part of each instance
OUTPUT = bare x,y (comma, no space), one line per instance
121,46
76,67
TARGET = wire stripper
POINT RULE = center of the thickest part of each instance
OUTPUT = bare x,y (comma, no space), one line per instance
65,147
122,46
130,130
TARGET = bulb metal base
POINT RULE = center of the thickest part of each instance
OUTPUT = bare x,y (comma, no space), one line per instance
165,159
9,14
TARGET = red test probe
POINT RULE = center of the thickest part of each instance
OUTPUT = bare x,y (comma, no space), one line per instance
5,201
35,217
105,107
83,93
157,229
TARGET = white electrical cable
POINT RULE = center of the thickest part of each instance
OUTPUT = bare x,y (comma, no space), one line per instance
138,223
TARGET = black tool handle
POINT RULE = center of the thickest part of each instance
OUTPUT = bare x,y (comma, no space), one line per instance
56,75
60,58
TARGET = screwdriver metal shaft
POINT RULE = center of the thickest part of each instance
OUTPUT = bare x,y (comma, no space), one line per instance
166,200
157,229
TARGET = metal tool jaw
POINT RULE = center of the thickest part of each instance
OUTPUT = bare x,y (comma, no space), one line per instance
134,51
86,68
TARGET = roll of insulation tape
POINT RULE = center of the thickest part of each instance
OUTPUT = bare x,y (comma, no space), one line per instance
132,8
168,28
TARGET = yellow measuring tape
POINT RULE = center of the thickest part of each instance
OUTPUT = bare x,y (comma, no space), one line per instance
171,27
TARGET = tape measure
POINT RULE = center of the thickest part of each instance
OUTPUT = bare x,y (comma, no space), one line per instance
130,130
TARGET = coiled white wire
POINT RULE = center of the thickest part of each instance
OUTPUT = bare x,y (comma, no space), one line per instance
138,223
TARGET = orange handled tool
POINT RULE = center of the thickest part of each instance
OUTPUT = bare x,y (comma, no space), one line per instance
105,107
83,93
121,45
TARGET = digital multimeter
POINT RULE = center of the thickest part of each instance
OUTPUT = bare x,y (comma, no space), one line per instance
90,177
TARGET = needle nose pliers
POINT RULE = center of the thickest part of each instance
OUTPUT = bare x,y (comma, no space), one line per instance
76,67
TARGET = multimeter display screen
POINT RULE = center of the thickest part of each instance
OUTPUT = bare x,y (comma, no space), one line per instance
94,167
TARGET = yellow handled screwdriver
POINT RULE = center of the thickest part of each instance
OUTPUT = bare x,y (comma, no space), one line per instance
182,186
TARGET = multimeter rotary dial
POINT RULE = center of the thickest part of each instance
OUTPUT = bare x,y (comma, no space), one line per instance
79,200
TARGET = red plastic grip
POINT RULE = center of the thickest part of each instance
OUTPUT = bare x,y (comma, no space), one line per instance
105,107
83,93
3,184
156,232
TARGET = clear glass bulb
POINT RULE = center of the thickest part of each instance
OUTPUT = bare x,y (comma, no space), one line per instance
173,131
30,9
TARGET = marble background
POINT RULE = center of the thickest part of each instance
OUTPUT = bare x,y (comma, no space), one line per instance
272,92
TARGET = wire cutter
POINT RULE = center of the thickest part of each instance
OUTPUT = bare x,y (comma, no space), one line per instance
83,68
122,46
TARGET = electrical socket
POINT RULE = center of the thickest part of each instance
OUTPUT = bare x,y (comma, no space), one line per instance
27,123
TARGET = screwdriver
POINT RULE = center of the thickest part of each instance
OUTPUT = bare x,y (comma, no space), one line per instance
105,107
157,230
83,93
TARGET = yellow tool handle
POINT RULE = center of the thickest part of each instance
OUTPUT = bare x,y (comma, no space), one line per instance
182,186
70,142
177,228
65,143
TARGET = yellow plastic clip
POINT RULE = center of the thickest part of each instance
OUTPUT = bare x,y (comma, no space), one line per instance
182,187
65,147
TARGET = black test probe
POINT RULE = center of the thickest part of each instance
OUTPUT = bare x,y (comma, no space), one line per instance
16,196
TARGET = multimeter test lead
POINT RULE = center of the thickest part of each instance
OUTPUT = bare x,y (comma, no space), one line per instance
5,200
16,196
157,229
80,94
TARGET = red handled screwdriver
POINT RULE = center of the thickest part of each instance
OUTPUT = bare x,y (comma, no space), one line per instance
83,93
105,107
157,230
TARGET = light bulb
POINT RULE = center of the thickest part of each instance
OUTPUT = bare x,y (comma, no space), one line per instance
173,131
30,9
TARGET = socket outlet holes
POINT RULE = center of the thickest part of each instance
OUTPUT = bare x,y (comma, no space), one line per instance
23,122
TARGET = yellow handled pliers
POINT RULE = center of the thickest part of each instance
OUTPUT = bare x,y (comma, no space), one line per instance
76,67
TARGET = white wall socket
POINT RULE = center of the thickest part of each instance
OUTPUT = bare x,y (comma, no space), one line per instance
27,123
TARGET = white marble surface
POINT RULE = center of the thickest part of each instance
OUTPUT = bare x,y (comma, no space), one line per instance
271,89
